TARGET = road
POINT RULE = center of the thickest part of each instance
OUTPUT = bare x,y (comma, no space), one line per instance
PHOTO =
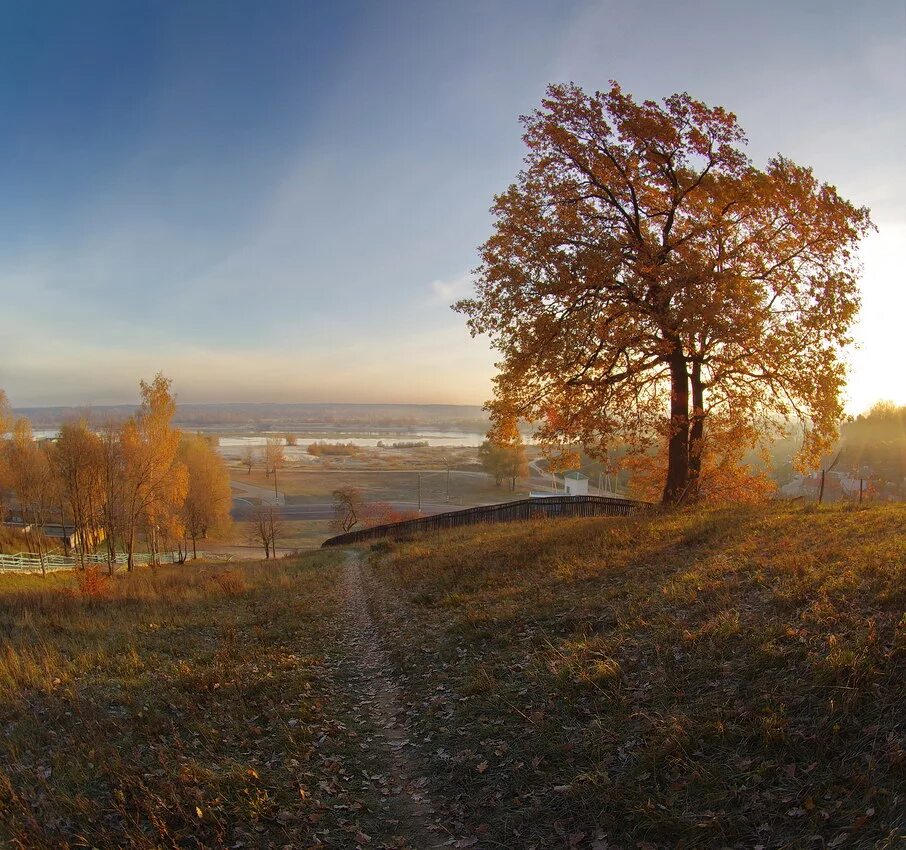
243,509
255,491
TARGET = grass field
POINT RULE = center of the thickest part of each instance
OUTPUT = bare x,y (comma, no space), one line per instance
180,707
317,485
294,534
304,533
716,679
721,678
421,457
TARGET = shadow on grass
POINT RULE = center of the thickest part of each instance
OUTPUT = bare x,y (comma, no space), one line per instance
700,678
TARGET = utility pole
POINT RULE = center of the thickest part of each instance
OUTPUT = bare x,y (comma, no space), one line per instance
824,472
446,462
419,477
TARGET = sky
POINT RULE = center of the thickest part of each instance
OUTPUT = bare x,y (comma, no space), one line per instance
279,201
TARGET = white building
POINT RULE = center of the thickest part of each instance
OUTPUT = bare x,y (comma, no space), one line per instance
575,484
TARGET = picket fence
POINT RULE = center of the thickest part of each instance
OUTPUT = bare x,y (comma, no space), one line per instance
28,562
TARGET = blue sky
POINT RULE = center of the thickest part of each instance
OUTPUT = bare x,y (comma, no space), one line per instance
278,201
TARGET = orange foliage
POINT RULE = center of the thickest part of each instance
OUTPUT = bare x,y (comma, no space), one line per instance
644,278
383,513
92,583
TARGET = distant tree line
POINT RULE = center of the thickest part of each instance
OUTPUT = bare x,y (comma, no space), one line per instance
404,444
874,444
321,449
124,482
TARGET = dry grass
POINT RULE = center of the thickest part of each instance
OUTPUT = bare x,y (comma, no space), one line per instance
10,541
705,679
177,707
315,486
296,534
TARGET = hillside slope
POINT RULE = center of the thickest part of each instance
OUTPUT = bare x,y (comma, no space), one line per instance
723,678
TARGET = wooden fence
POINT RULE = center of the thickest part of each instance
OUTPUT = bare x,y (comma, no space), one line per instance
543,507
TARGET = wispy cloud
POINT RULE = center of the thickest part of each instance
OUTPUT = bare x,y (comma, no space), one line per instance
452,289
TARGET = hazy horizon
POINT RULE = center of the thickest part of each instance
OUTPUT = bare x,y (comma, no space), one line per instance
183,404
279,202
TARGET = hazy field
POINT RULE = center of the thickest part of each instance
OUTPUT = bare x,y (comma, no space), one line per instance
316,485
382,474
294,534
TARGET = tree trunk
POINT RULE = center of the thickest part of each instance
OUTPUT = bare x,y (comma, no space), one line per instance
110,533
676,489
63,526
696,432
77,522
130,561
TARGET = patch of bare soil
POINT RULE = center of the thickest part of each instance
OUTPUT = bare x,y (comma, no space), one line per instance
412,816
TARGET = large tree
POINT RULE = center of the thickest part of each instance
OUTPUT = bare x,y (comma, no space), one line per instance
646,283
274,458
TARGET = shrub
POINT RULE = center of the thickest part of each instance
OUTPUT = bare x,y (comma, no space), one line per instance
92,583
231,583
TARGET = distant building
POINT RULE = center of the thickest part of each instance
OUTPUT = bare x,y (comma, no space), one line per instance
575,484
68,537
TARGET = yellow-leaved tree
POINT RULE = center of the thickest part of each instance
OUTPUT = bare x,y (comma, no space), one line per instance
6,423
645,279
33,483
155,480
78,456
208,499
6,415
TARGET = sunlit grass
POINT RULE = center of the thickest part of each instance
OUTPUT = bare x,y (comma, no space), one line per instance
169,707
702,678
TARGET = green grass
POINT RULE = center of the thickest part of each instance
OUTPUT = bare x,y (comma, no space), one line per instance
725,678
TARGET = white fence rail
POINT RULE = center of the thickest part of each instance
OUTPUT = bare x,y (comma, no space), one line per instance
27,562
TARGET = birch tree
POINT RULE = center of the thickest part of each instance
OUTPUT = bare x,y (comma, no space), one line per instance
154,479
33,485
209,498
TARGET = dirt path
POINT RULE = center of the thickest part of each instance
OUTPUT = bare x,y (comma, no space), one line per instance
378,699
